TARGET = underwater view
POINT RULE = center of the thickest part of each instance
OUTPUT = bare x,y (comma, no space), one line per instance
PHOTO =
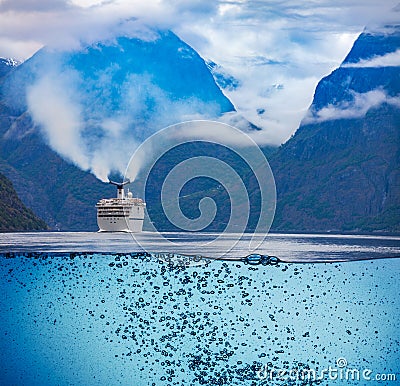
96,317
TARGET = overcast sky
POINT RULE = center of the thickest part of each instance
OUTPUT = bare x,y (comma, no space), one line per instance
278,50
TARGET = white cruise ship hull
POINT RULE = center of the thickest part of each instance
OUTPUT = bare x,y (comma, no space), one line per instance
120,215
119,224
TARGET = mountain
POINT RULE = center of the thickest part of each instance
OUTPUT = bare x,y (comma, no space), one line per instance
6,65
59,192
14,215
221,188
341,169
224,81
64,114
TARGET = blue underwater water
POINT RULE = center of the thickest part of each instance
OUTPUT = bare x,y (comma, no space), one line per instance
127,319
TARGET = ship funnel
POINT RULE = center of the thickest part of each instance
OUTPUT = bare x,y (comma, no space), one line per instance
120,187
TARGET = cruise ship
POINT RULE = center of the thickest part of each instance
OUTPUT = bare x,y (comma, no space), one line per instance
121,214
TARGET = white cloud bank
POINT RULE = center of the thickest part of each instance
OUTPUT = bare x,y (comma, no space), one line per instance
391,59
356,108
277,50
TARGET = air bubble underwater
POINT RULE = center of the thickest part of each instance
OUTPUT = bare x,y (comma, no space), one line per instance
218,323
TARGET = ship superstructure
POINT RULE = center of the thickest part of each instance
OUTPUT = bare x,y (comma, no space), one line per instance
124,213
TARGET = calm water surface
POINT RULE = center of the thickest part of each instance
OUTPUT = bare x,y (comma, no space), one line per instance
290,248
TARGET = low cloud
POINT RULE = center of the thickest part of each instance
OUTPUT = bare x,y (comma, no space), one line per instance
391,59
292,44
355,108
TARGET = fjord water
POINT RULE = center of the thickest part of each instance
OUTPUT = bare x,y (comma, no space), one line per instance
287,247
104,316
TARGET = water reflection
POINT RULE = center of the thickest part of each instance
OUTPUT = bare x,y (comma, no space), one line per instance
290,248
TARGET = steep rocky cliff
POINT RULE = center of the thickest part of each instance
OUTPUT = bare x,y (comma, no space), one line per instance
14,216
341,169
